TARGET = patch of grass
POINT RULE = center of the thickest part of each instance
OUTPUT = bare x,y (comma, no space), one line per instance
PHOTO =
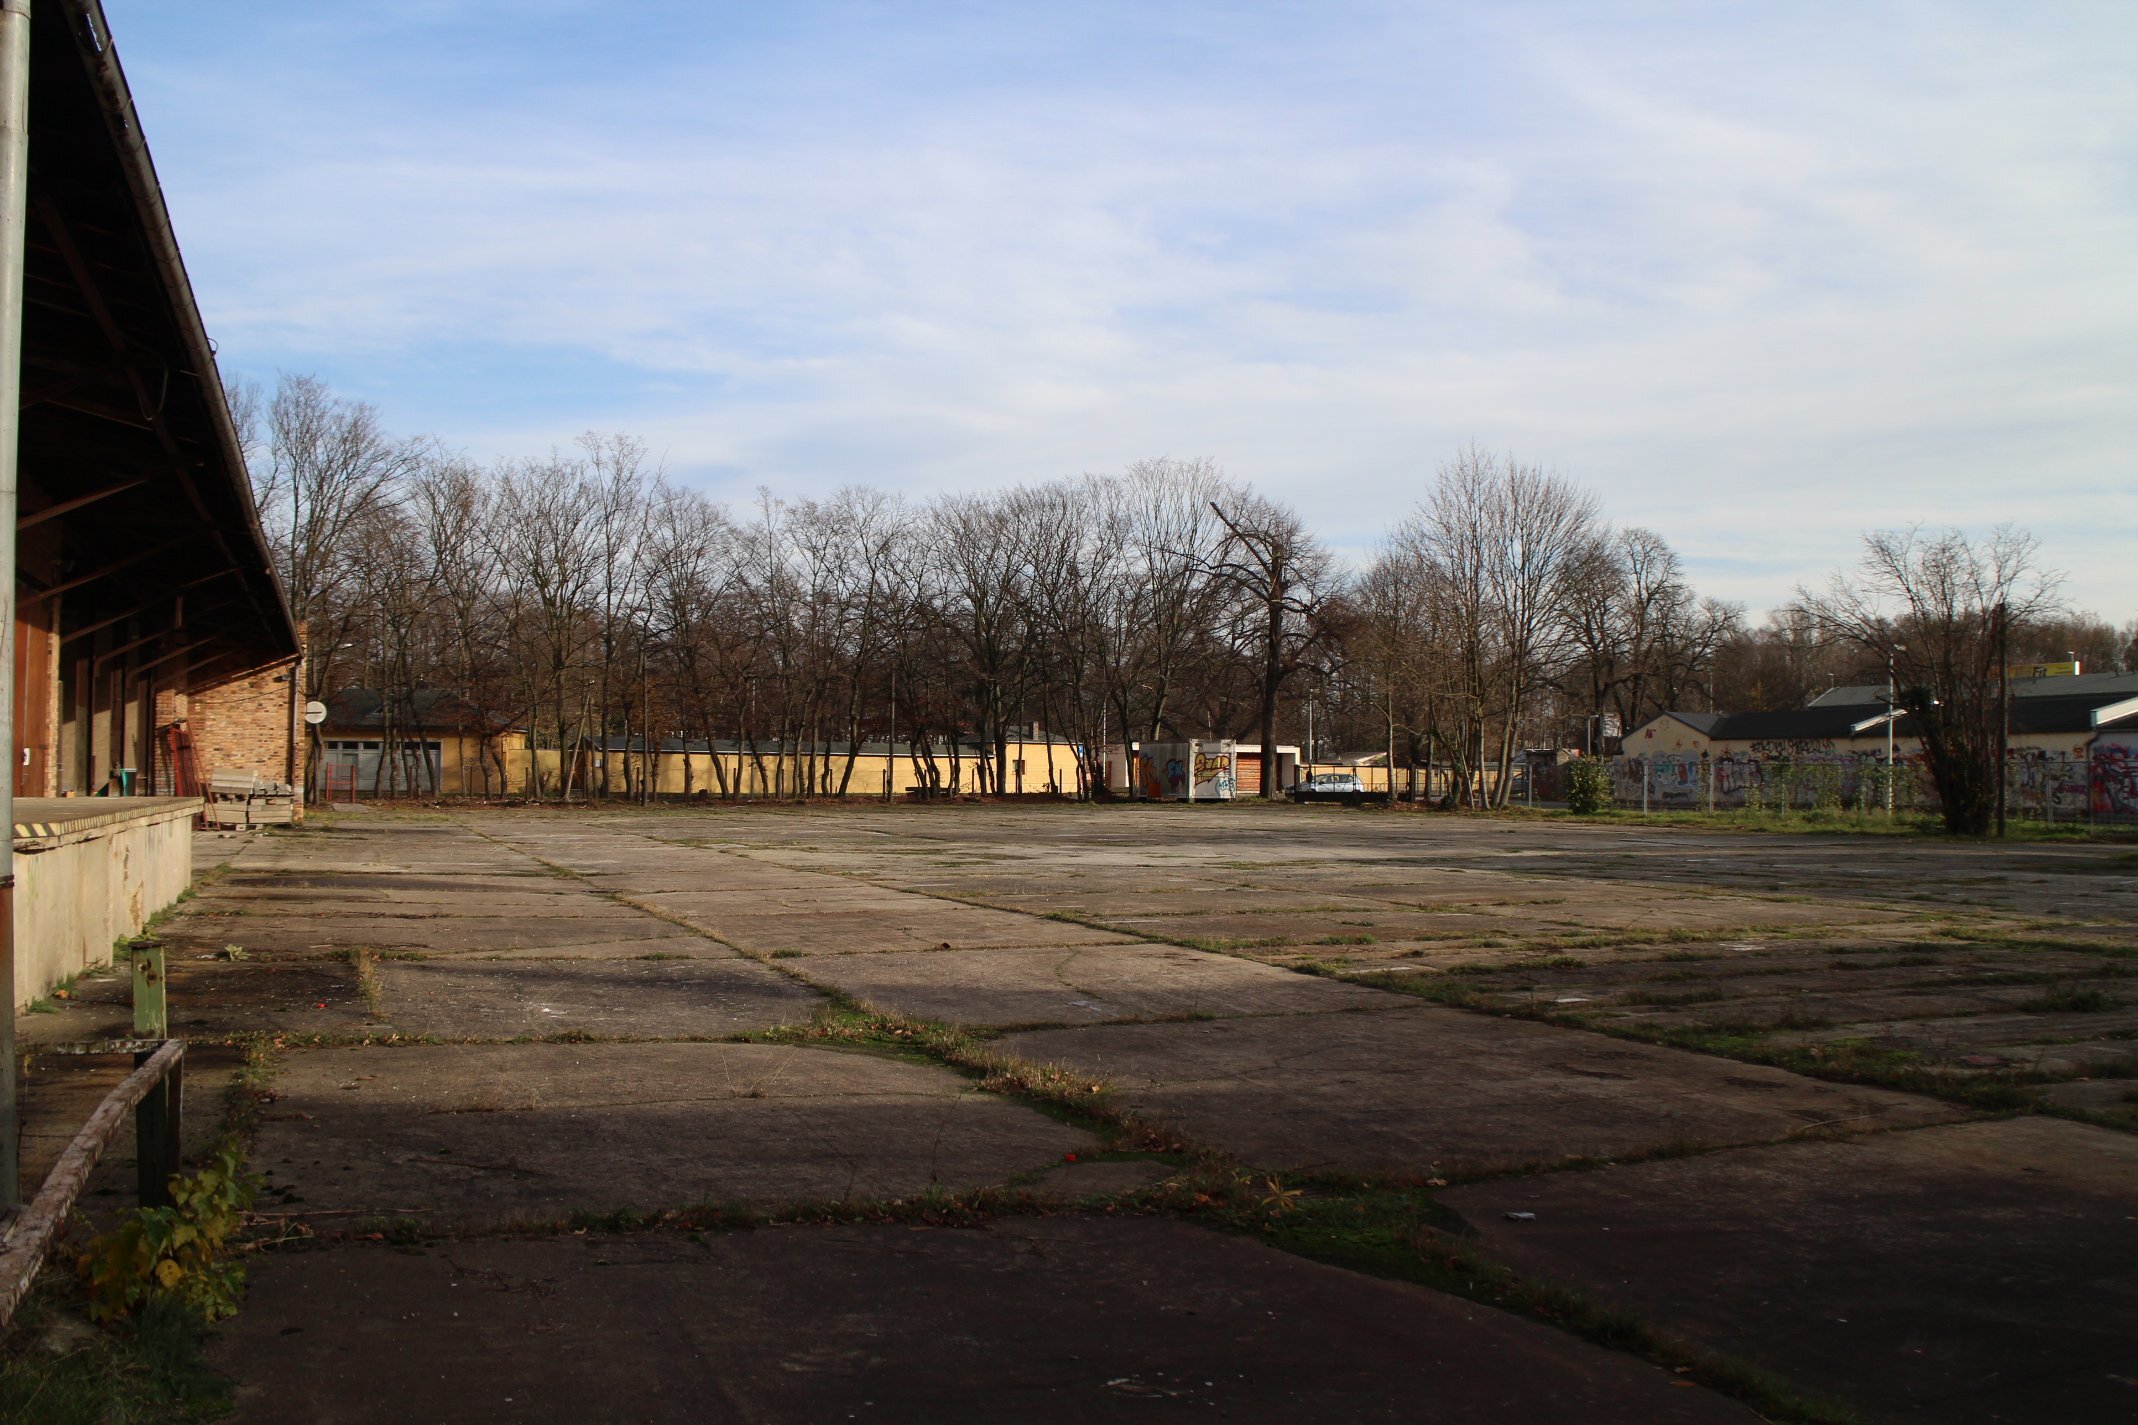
1346,940
1440,989
1073,1097
2072,999
1518,967
1829,822
615,1219
56,1369
1664,999
64,988
1842,1061
401,1231
1225,942
2013,940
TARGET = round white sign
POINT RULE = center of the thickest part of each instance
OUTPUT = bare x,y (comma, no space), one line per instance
315,713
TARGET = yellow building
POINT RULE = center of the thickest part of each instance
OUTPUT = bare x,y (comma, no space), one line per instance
1044,766
435,744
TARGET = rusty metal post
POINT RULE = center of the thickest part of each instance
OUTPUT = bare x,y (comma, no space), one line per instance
14,213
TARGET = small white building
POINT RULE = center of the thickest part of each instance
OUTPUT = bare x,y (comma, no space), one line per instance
1197,770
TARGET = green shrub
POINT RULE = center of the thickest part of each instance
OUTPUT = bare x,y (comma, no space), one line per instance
1588,785
176,1251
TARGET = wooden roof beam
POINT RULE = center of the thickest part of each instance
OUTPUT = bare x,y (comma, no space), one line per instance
93,575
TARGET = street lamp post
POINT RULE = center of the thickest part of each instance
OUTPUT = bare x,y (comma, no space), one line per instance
1896,648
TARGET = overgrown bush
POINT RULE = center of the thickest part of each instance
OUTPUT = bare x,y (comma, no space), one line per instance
1588,785
176,1251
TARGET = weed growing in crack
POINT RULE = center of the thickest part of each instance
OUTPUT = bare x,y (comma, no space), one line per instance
368,983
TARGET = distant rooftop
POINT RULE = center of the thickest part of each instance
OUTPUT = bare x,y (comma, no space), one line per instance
2108,687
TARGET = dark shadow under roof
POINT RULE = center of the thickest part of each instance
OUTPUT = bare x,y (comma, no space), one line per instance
134,490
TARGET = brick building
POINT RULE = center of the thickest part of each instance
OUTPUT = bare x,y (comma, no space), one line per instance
251,724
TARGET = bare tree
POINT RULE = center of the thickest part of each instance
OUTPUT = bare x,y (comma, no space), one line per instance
1938,609
544,544
1160,624
1642,640
327,473
1510,543
1280,573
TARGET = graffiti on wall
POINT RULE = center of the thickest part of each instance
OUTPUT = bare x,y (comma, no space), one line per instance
2052,786
1688,779
1792,748
2115,776
1148,781
1213,774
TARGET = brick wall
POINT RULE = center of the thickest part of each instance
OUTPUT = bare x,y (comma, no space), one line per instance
247,725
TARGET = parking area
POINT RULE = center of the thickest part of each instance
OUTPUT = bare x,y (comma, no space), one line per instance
1610,1122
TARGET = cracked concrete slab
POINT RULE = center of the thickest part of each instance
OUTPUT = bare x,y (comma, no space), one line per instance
1430,1091
388,902
919,923
830,894
655,999
470,1135
1078,984
1046,1322
430,934
1969,1273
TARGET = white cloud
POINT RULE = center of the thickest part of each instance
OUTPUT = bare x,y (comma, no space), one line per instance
1763,277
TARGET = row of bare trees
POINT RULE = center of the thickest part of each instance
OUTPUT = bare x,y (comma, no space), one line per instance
583,596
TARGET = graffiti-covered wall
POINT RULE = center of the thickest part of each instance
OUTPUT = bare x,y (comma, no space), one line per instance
2042,785
2114,780
1186,771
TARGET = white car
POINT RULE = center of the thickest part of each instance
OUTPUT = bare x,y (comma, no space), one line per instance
1330,786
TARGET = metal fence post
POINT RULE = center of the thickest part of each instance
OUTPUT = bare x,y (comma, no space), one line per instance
157,1136
1644,786
151,1007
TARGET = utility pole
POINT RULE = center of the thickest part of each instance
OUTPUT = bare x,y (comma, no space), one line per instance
14,213
2004,708
1391,746
1896,648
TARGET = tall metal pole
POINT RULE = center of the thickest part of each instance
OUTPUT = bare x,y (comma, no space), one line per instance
14,210
2004,708
1889,733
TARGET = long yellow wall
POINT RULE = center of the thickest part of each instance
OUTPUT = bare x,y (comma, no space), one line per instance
538,772
461,763
770,775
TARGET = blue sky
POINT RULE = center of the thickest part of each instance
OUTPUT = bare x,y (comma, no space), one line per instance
1761,275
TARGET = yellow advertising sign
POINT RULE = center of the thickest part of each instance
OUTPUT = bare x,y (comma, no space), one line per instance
2041,670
